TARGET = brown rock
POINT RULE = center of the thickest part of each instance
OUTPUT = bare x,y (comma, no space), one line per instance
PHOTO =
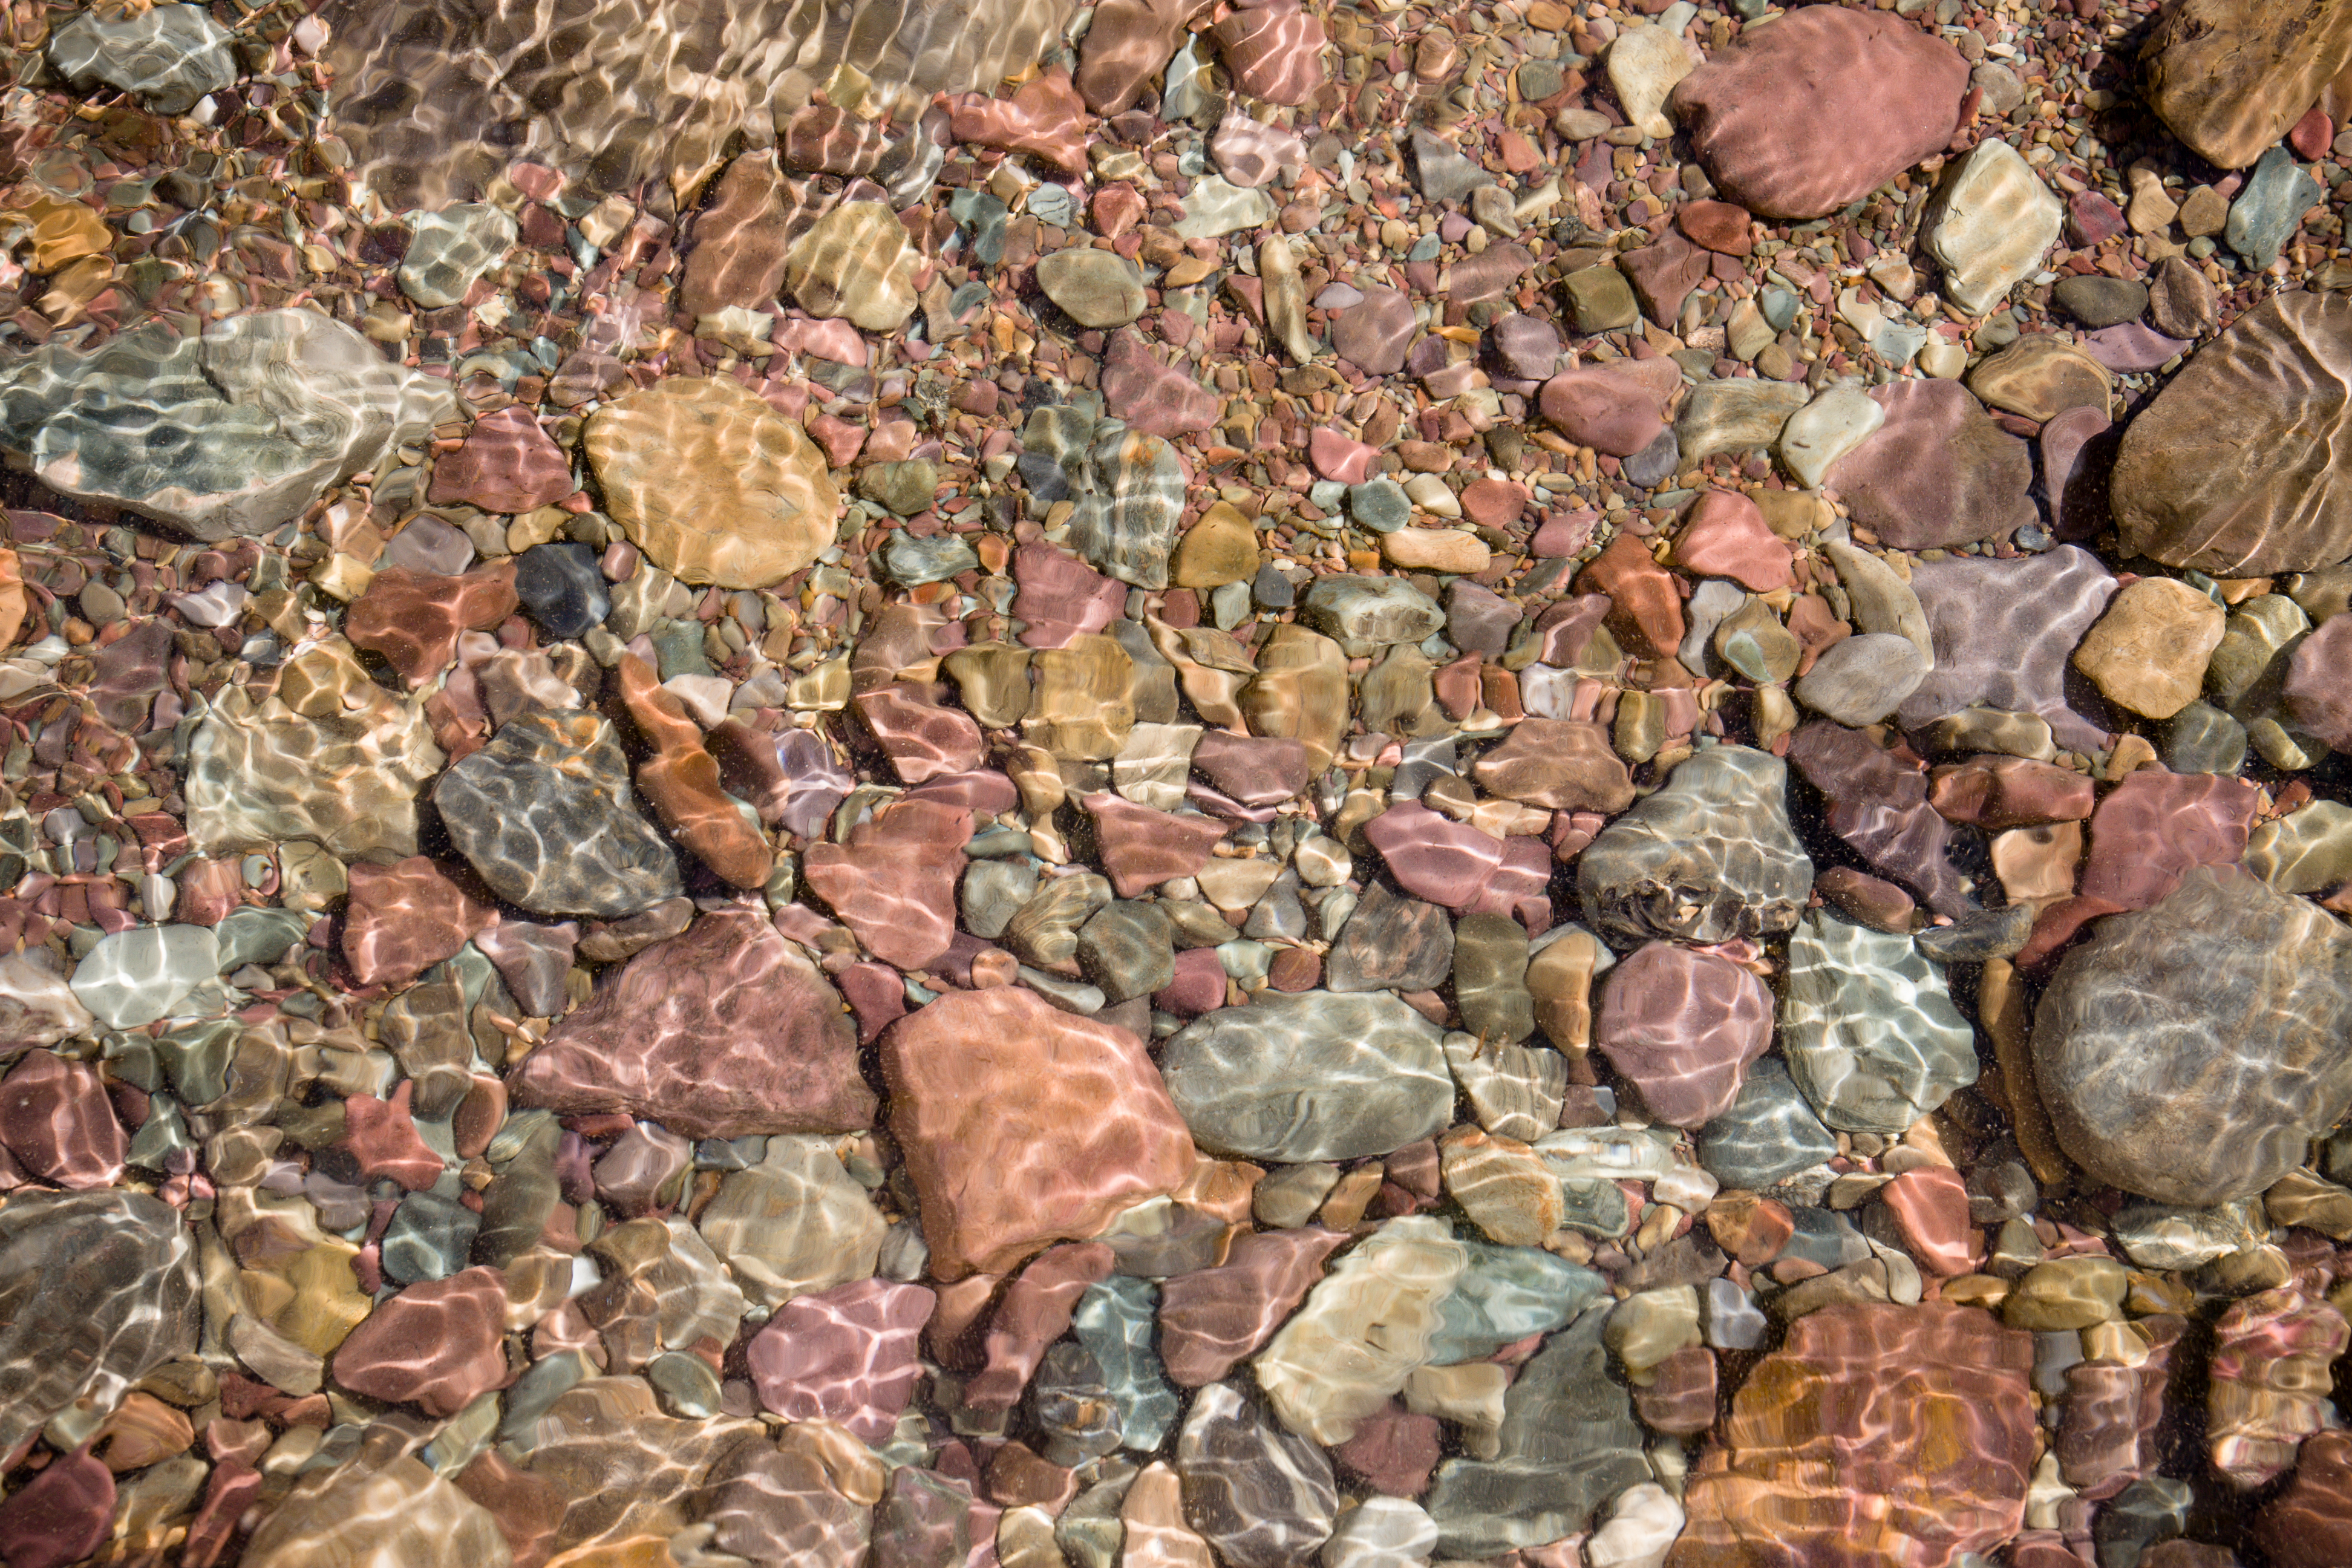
1755,112
2180,301
1724,535
681,780
56,1119
2149,651
2318,685
2040,376
403,919
1646,610
1611,408
724,1030
1023,1125
1142,847
413,619
507,464
1560,764
1939,473
740,240
435,1344
2231,76
2009,792
1718,226
2309,1525
1211,1318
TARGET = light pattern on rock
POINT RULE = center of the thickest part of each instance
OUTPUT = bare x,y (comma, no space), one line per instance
1363,1330
1262,1497
1311,1076
1709,858
1869,1028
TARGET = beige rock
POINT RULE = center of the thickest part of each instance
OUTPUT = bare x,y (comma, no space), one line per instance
1561,978
1644,64
1220,547
1446,550
1992,222
794,1224
857,263
1363,1330
1083,702
1153,1515
1502,1184
2040,375
711,483
1470,1393
2149,650
2067,1293
2151,209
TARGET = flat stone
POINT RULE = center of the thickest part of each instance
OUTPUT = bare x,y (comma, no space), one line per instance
1097,288
1681,1028
1600,300
545,813
2220,973
2270,1352
2149,651
1374,332
1833,424
1261,1495
435,1344
1991,222
1733,416
403,919
1878,803
202,432
711,483
62,1514
737,246
1644,64
1892,90
2097,300
1363,1330
2225,472
2002,631
1890,1366
2231,76
1709,858
1938,473
1116,1137
2317,688
2040,376
136,976
855,264
2181,303
56,1120
169,56
1310,1075
794,1224
2309,1524
1770,1133
562,587
386,1504
1862,679
507,464
1869,1029
1211,1318
893,883
449,250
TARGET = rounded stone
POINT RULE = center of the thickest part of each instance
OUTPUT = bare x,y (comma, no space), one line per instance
2190,1051
1097,288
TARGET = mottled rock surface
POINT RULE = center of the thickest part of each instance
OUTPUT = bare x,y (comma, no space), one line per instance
1311,1076
1709,858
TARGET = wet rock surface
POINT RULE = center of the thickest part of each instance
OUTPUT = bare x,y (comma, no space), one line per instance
1166,786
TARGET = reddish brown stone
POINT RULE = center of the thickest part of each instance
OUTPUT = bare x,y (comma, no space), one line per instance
736,257
403,919
2318,688
1609,408
922,738
526,1508
59,1516
1725,536
1996,792
1560,764
1044,117
1664,274
1254,770
1682,1026
1023,1125
724,1030
1129,43
507,464
2309,1525
1718,226
1455,864
435,1344
1142,847
413,619
1393,1451
1035,1312
1930,1205
1211,1318
894,882
1155,398
1751,1228
822,138
2155,826
381,1136
847,1354
1274,50
681,780
1878,803
1019,1477
1647,612
1680,1398
1939,472
56,1119
1886,91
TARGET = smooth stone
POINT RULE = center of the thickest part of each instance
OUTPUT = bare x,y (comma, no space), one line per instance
2040,376
1096,288
1869,1028
1726,415
1367,614
1939,472
378,1505
435,1343
846,1354
1770,1133
2203,739
2227,470
1835,422
2222,972
448,250
2317,685
1362,1331
856,264
1310,1075
2230,78
1644,64
2097,300
136,976
1862,679
2182,304
1681,1027
1613,408
1261,1495
2003,630
169,56
1990,224
2149,650
1600,300
1390,943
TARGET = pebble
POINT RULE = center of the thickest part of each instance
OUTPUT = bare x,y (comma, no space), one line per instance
1237,1077
1992,222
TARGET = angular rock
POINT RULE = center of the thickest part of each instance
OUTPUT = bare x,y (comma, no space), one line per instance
435,1344
1308,1076
1938,473
1262,1497
1363,1331
894,882
449,250
2149,651
1707,858
1869,1028
794,1224
2230,76
1991,222
507,464
401,919
855,263
1211,1319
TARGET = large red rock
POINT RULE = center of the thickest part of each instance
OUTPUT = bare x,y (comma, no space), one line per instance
414,618
56,1119
1023,1125
735,256
1821,108
59,1516
1560,764
1212,1317
894,882
403,919
1606,408
1681,1027
435,1344
723,1030
507,464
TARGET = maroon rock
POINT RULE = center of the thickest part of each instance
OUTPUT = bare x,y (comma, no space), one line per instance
1646,610
507,464
1455,864
1997,793
59,1516
1665,273
2078,457
1939,473
724,1030
2003,630
2110,1417
56,1119
2318,686
2092,219
405,918
1757,112
894,882
381,1137
923,739
1869,900
1212,1319
1142,847
1526,348
1199,985
1682,1026
1275,51
1489,275
824,139
1680,1398
2309,1525
1044,117
526,1508
1023,1125
413,619
435,1344
1061,596
1393,1451
1152,397
1877,803
1254,770
1718,226
848,1354
1560,764
1724,535
2156,827
1373,334
736,255
1604,408
1035,1312
1129,43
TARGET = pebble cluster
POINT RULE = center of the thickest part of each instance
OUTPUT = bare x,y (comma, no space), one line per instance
1536,783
